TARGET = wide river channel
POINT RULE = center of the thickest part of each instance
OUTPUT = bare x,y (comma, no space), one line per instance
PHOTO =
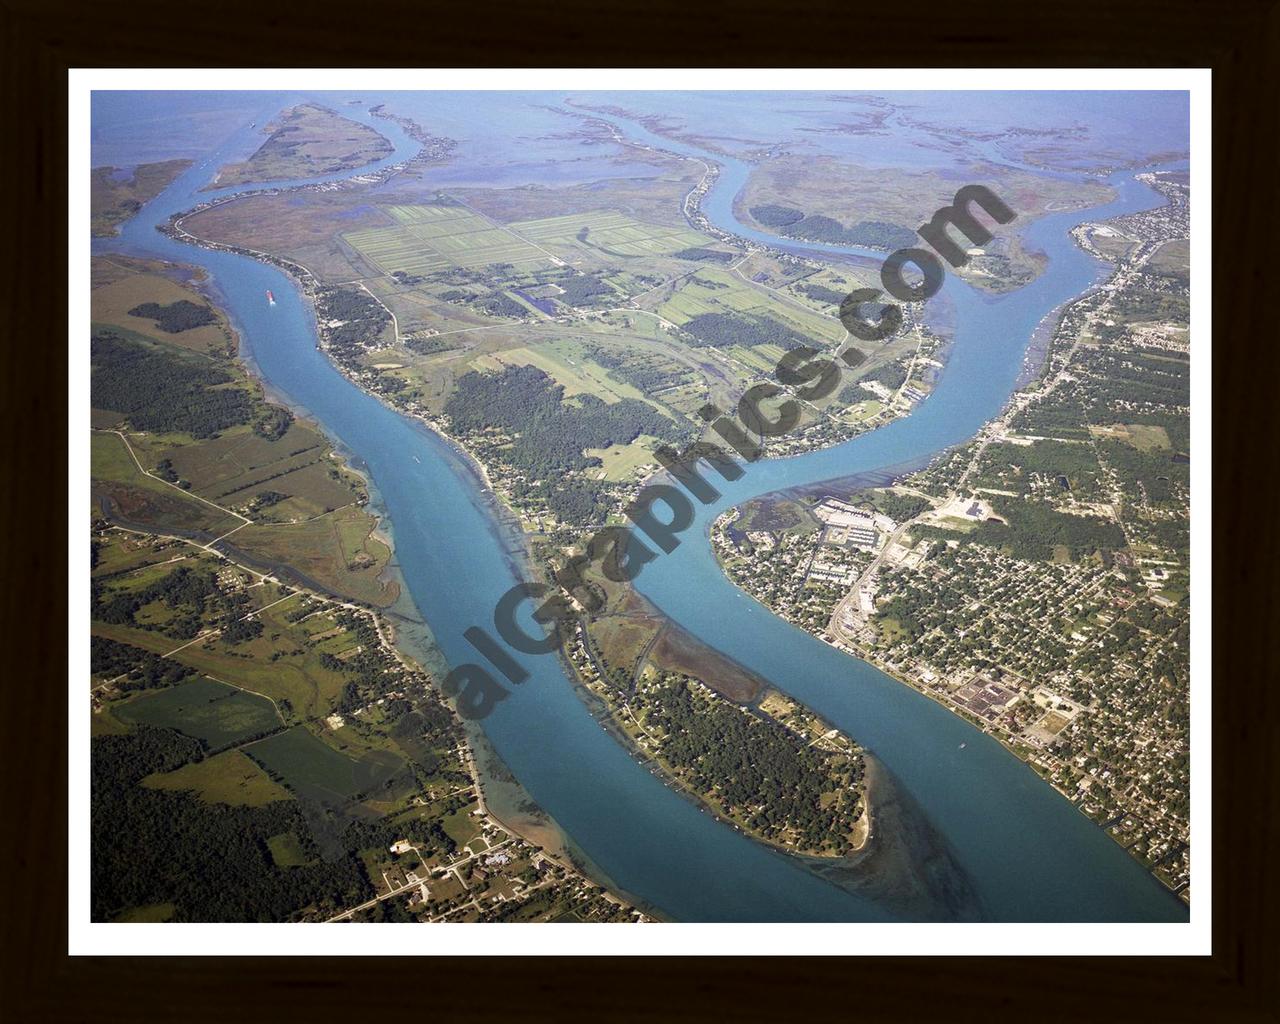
965,830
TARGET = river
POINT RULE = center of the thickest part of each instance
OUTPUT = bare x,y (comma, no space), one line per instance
963,830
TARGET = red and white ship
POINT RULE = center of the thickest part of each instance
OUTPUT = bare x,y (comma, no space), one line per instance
271,298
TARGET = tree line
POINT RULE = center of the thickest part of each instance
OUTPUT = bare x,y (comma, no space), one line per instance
876,234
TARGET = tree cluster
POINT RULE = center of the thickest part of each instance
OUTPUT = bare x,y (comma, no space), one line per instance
164,391
176,317
724,330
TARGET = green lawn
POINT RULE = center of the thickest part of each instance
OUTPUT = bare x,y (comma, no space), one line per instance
460,826
622,460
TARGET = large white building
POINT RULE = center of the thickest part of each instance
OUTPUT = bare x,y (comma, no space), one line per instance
849,525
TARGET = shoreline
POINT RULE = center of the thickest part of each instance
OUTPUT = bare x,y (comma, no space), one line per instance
1036,359
539,829
309,284
607,718
902,677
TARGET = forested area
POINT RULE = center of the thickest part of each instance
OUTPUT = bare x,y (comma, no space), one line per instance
1143,387
1034,530
583,289
646,371
773,216
371,670
898,507
428,346
549,435
874,234
1157,477
891,375
163,391
1013,466
1149,304
575,501
755,767
821,293
273,422
176,317
501,304
209,860
699,254
360,320
724,330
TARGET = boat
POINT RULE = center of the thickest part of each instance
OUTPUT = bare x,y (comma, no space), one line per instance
271,298
963,745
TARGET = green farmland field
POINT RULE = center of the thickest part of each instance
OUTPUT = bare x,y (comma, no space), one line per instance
615,233
718,291
212,712
431,238
570,365
315,770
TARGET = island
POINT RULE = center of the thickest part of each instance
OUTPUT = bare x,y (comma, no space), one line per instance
305,141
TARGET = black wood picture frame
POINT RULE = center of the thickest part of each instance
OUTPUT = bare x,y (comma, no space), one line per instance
1238,39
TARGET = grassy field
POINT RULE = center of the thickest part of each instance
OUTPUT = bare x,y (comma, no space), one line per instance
280,663
1173,257
122,552
567,362
1144,437
712,290
286,851
226,778
339,552
314,769
115,197
623,461
141,499
213,712
290,480
431,238
619,640
152,913
120,287
238,465
460,826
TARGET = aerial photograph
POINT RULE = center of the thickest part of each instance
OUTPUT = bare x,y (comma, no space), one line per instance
636,507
